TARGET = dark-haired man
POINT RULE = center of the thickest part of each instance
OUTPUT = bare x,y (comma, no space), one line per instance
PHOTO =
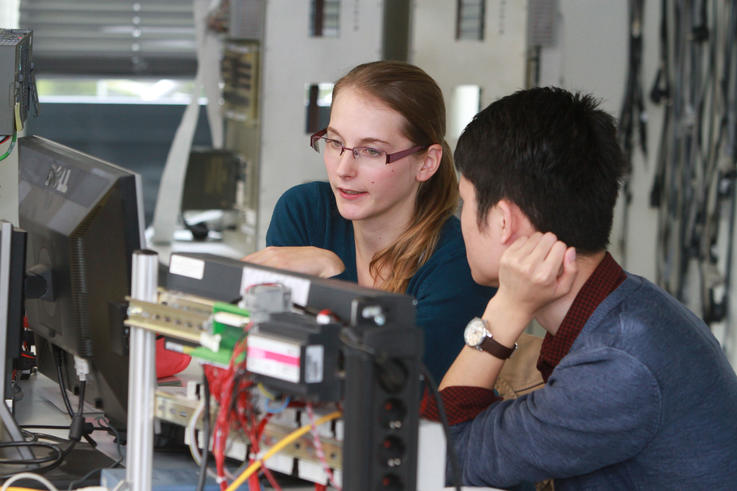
638,393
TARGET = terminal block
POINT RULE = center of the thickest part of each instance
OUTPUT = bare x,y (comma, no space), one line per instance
292,353
17,82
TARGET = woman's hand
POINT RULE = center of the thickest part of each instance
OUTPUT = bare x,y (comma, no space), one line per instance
304,259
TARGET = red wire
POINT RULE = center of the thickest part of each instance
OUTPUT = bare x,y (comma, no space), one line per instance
222,388
253,483
222,384
262,425
220,435
246,416
270,477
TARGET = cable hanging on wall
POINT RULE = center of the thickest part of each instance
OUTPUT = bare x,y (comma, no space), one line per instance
632,115
694,182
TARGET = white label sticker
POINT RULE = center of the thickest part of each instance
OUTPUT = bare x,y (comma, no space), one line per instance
231,319
314,355
187,266
300,287
273,358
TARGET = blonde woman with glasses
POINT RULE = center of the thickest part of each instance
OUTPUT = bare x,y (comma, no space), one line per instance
385,217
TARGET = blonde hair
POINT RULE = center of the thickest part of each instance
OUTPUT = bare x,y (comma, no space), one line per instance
414,94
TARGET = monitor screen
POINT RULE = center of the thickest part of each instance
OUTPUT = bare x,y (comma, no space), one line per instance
12,266
83,217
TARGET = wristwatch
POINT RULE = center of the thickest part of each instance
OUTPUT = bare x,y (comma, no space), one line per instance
478,336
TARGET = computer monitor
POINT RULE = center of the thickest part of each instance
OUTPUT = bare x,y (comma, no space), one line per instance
84,219
12,265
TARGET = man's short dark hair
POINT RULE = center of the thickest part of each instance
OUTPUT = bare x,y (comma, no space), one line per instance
552,153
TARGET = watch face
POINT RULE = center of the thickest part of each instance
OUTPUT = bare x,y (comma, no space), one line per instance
475,332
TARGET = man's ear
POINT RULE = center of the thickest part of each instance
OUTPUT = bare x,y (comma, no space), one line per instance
512,221
430,162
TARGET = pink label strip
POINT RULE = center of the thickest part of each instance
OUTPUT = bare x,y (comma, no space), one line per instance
272,355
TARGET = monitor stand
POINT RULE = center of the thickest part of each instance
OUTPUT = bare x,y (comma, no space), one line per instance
77,464
10,432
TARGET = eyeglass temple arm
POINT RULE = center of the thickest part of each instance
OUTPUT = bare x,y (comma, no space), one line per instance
399,155
316,136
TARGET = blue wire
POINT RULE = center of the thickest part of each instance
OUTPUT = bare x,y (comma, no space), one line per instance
277,410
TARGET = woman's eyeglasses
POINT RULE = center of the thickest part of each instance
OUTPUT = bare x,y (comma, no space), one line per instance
334,149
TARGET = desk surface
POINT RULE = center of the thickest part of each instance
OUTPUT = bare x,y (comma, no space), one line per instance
42,404
230,245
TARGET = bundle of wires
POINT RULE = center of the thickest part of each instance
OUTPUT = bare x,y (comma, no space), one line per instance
221,382
78,429
695,183
230,388
33,440
251,469
318,449
41,463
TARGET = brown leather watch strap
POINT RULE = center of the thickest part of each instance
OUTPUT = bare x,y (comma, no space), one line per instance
491,346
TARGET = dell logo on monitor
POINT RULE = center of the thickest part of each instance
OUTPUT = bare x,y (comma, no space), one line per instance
58,178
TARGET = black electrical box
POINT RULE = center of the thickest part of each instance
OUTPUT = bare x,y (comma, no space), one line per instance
292,353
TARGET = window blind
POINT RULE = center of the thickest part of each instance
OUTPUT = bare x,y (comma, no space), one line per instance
325,18
470,19
111,37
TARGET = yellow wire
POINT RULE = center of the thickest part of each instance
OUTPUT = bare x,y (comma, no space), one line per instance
265,392
278,447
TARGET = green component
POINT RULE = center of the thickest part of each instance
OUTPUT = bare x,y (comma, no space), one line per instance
229,307
220,357
230,325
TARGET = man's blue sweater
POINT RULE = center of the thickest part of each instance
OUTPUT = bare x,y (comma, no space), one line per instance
645,399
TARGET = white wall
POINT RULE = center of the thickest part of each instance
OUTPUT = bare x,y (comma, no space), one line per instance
496,64
293,60
9,14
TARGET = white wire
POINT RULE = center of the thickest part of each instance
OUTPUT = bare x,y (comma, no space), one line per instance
123,484
29,475
318,448
190,431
